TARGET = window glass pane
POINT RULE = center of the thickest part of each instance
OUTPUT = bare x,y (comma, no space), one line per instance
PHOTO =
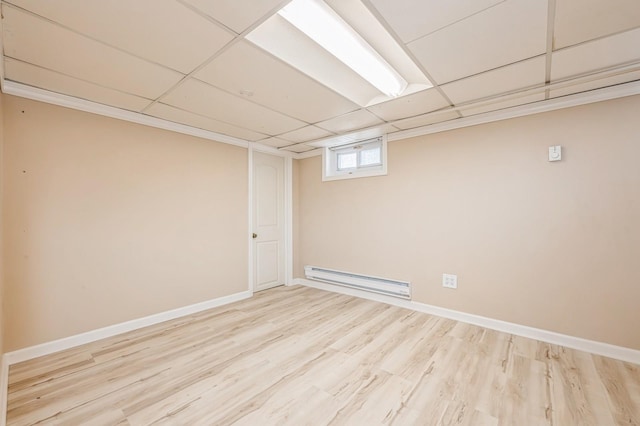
347,161
370,157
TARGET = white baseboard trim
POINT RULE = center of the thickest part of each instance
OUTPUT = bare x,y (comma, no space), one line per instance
591,346
31,352
4,385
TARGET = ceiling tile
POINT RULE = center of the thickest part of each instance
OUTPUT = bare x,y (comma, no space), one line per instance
502,104
170,35
426,119
300,148
201,98
334,141
351,121
236,14
50,80
308,133
412,19
274,142
596,55
393,129
39,42
358,135
378,130
595,84
411,105
274,84
582,20
501,80
177,115
504,34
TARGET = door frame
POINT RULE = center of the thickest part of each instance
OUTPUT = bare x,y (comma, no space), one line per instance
288,212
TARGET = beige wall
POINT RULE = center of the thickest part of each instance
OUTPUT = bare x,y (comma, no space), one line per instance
548,245
107,221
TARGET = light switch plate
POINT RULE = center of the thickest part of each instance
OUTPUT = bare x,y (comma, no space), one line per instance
555,153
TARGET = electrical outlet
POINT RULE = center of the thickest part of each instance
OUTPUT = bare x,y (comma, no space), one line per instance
449,281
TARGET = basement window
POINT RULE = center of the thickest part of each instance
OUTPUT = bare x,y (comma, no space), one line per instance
359,159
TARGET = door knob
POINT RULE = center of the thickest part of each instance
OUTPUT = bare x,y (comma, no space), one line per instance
254,235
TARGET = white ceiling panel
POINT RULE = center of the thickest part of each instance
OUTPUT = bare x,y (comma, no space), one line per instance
335,141
426,119
50,80
351,121
162,31
236,14
300,148
377,130
177,115
308,133
501,80
274,142
274,84
201,98
582,20
495,106
411,105
412,19
595,84
36,41
596,55
504,34
358,135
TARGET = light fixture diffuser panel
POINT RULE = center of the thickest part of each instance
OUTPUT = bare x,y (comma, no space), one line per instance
345,54
325,27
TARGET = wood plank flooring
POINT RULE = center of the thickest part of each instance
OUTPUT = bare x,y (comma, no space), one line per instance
301,356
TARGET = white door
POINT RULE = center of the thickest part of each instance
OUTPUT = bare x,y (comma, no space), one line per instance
268,221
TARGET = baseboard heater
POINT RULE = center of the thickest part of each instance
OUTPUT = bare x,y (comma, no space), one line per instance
361,282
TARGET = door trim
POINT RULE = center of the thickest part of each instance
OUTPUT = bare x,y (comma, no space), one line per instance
288,220
288,212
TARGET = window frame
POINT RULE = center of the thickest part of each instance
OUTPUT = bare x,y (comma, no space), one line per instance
330,169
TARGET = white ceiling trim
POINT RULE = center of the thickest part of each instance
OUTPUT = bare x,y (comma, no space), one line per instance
308,154
604,94
257,146
24,91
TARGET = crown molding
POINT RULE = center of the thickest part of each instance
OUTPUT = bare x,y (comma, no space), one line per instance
598,95
308,154
29,92
257,146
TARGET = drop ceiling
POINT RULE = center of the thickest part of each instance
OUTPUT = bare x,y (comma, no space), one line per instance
192,62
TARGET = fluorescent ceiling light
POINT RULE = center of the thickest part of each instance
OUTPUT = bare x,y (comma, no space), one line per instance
322,25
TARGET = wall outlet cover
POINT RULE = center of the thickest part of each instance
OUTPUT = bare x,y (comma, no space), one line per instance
449,281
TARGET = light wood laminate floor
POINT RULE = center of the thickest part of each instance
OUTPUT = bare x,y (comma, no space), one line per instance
296,355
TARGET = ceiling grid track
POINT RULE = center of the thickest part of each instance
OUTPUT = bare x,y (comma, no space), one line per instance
202,64
236,38
551,20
